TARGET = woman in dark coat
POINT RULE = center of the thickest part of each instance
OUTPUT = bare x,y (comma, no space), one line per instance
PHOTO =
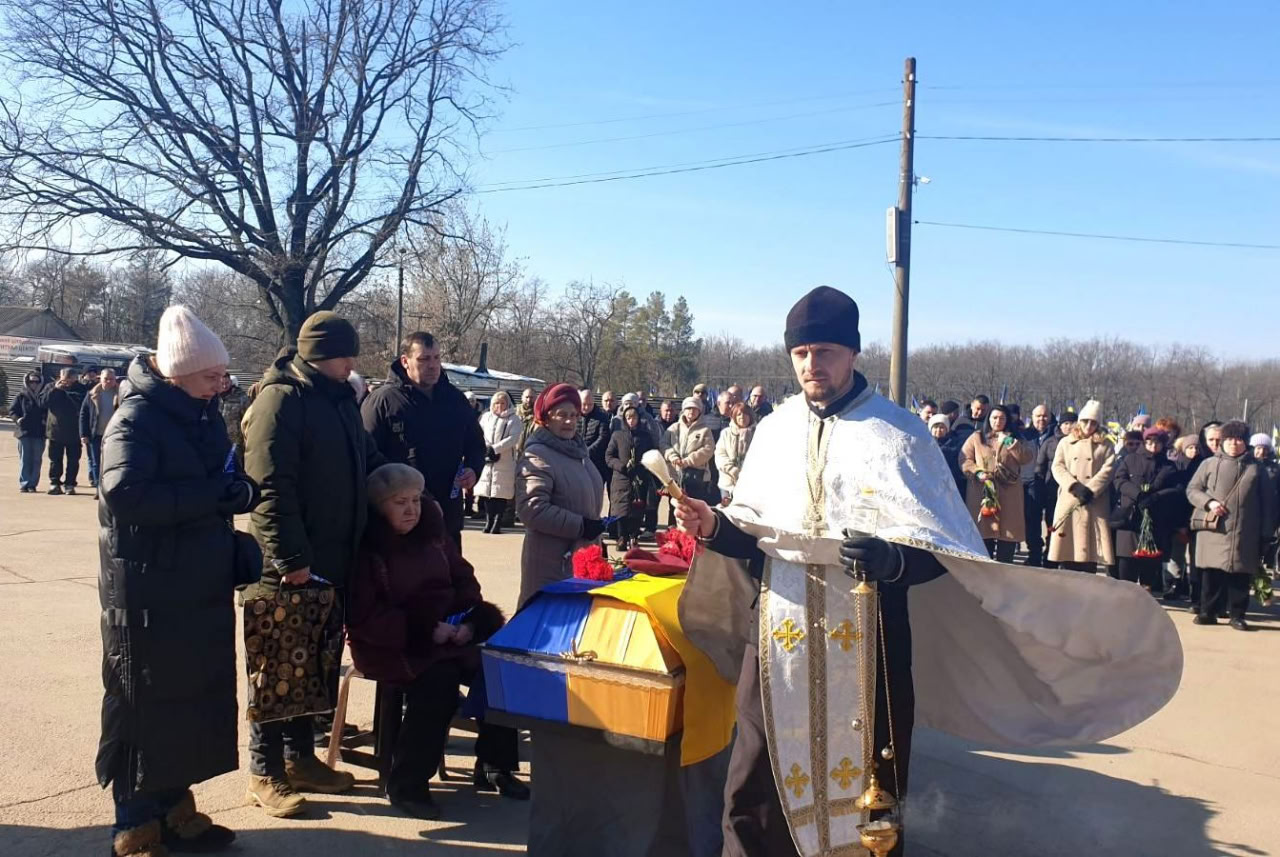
1146,481
415,618
627,482
169,570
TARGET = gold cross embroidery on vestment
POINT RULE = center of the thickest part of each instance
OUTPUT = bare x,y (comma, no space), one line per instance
798,781
845,635
788,634
846,773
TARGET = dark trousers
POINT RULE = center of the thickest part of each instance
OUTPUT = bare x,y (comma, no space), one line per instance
93,452
1221,591
58,450
1087,567
1032,515
1141,570
271,743
139,808
999,550
453,518
430,703
754,823
494,508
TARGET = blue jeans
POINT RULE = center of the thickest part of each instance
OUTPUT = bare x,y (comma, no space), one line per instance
94,453
30,454
141,807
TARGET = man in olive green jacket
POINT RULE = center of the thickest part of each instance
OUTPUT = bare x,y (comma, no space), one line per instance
307,449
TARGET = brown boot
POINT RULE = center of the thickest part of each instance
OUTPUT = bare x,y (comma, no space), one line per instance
144,841
186,830
276,797
309,774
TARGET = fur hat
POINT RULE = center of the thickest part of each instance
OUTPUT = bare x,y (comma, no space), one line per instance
186,346
1092,410
1261,439
1235,430
391,479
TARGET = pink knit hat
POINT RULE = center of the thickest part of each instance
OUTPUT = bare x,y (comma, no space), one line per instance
186,346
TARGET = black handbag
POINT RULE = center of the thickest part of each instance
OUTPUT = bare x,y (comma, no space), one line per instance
247,563
293,651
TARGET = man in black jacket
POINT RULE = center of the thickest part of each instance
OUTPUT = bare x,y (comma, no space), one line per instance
1041,431
29,415
420,419
63,398
593,428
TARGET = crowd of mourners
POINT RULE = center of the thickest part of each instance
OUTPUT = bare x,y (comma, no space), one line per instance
361,492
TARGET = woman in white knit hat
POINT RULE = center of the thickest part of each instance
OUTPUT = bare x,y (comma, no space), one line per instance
1082,468
170,564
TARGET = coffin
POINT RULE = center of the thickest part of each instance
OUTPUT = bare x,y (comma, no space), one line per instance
576,656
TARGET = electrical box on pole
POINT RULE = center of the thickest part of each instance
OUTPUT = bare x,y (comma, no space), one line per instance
891,235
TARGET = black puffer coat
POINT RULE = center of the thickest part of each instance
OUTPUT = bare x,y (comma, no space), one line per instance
1143,481
627,474
166,588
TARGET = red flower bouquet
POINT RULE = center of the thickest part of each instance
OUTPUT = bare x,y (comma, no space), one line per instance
1147,539
677,543
990,506
589,563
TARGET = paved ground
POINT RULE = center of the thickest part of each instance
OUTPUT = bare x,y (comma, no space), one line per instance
1200,778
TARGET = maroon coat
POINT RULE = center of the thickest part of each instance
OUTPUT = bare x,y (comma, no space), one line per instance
403,586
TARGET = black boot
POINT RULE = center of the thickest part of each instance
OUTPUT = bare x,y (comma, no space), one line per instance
487,778
187,831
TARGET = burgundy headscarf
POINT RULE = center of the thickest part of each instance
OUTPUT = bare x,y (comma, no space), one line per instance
556,394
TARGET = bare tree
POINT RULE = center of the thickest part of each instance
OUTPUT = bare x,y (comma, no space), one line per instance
581,324
288,142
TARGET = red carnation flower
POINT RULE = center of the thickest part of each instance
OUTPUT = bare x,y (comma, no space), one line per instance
589,563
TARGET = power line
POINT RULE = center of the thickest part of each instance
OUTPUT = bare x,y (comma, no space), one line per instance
1099,235
1186,84
651,134
1099,139
694,169
803,148
695,112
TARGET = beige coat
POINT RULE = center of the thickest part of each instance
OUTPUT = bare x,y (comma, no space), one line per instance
502,432
1085,535
692,444
731,451
557,488
1003,465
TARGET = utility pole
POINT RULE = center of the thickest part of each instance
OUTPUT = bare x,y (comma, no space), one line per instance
902,256
400,306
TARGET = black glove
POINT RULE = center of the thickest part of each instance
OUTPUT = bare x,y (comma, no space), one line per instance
592,528
1082,493
1144,502
878,559
490,456
239,496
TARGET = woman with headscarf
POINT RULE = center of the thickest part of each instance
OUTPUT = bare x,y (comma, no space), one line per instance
415,619
1149,496
993,458
1082,467
689,447
497,483
558,491
170,563
950,444
627,476
731,449
1234,514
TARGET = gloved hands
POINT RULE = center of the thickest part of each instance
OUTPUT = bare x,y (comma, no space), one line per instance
1082,493
1144,502
238,497
879,560
592,528
489,455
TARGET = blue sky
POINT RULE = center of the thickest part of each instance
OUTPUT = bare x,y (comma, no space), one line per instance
743,242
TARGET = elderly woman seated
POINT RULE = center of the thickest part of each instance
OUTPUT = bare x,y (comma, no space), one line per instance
414,619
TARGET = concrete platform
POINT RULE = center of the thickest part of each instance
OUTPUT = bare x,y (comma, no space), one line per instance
1200,778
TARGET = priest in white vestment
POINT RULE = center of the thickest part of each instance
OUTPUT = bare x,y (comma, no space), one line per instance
840,478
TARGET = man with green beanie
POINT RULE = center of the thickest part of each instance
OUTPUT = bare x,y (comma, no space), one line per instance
306,448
